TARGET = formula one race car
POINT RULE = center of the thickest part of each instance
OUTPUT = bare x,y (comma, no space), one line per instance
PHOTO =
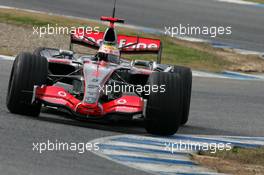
103,85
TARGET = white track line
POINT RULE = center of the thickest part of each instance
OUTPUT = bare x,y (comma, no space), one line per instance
10,58
239,2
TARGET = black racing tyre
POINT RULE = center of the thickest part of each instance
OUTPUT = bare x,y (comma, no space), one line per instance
28,70
186,74
164,110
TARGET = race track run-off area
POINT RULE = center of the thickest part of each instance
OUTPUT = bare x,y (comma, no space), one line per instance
166,156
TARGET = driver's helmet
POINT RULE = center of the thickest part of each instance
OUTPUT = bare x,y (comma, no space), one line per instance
109,53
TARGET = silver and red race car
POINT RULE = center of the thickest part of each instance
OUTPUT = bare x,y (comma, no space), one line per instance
103,85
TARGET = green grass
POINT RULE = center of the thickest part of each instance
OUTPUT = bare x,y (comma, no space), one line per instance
24,20
177,54
29,19
172,53
187,56
258,1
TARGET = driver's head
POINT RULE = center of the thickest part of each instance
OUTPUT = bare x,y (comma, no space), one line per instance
102,56
108,53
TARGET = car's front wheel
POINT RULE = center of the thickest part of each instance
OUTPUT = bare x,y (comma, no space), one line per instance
28,70
164,109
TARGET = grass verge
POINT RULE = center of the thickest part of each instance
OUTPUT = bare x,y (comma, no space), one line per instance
238,161
198,56
257,1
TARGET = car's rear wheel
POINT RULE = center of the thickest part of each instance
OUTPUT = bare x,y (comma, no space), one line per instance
186,74
164,109
28,70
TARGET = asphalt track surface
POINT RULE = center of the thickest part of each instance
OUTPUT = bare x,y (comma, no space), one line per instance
219,107
246,21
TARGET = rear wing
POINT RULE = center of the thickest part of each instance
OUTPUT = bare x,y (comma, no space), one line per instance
127,44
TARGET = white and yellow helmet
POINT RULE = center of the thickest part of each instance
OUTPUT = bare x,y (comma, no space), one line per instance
108,52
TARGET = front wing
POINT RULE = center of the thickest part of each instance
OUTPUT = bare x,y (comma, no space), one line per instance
59,97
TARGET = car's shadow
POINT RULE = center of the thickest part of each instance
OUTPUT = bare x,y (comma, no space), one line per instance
123,127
